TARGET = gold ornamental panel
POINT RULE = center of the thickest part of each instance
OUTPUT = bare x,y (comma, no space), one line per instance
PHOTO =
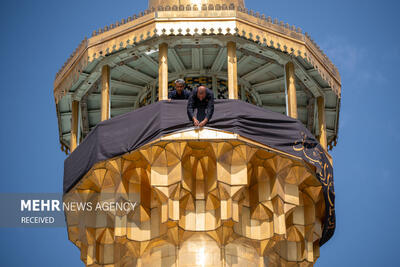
201,198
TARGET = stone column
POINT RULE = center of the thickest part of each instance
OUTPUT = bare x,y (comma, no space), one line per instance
215,86
232,71
105,92
322,122
74,125
163,72
291,90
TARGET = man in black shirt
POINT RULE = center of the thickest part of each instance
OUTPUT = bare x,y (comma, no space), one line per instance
180,92
201,99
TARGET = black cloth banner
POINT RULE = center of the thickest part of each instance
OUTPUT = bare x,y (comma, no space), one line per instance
127,132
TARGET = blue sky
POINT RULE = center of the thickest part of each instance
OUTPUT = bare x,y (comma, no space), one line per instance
361,38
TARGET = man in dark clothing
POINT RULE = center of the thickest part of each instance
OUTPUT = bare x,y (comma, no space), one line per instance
201,99
180,92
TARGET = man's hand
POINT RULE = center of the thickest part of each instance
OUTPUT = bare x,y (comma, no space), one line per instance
195,121
203,123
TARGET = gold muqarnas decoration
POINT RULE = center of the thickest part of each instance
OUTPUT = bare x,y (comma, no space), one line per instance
203,198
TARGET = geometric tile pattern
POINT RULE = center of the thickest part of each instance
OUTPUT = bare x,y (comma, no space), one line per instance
203,198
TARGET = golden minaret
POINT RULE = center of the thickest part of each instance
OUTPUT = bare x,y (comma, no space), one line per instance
204,197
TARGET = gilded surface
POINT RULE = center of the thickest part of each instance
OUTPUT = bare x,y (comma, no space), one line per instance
204,198
166,21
